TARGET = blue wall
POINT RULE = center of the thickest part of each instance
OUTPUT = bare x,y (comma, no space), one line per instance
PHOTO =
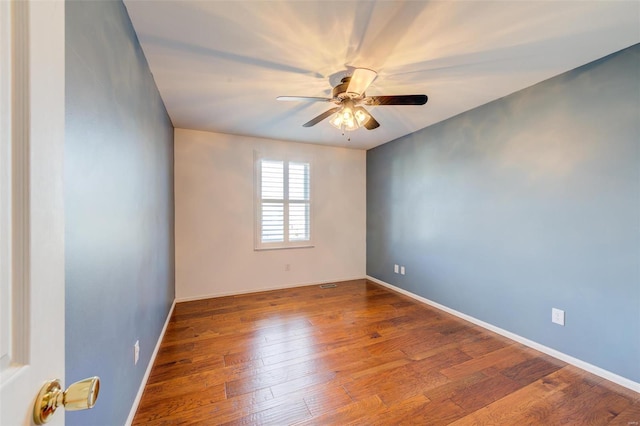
524,204
118,208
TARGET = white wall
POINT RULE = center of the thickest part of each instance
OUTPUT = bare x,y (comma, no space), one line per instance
215,219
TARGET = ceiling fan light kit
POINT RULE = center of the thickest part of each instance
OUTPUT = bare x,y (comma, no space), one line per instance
348,95
349,117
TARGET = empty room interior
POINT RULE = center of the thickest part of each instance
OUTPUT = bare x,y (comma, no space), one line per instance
353,212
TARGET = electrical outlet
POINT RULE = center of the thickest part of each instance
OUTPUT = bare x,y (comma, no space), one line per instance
287,267
396,268
402,270
557,316
136,352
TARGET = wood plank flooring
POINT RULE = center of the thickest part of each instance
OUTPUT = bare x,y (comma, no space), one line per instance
364,355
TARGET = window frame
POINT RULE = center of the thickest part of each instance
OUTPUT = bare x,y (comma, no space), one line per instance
287,243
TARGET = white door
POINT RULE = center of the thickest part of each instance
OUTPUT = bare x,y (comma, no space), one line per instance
31,170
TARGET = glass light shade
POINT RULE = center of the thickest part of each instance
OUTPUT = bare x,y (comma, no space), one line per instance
361,116
336,120
348,119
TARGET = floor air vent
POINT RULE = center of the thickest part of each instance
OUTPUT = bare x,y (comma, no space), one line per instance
328,285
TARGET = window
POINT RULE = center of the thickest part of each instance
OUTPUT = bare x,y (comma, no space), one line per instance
283,204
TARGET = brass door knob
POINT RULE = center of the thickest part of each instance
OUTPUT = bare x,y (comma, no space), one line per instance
81,395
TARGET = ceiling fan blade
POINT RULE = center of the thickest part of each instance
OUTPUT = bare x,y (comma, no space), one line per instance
303,98
372,123
360,80
321,117
396,100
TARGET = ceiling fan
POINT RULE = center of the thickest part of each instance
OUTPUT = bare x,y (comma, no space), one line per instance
349,96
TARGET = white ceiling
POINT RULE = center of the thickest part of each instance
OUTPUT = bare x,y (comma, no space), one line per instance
219,65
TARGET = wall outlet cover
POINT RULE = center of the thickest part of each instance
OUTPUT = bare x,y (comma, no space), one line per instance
402,270
396,268
557,316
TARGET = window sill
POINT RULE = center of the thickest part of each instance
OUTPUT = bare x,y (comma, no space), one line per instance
283,247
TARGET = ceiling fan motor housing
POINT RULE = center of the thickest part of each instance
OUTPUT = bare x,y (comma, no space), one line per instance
340,91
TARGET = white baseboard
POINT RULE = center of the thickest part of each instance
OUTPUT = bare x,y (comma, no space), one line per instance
622,381
136,402
259,290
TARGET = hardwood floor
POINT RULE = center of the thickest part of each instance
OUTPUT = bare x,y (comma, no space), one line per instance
360,354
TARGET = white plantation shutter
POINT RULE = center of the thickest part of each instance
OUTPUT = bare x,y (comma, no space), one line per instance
298,201
284,204
272,201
